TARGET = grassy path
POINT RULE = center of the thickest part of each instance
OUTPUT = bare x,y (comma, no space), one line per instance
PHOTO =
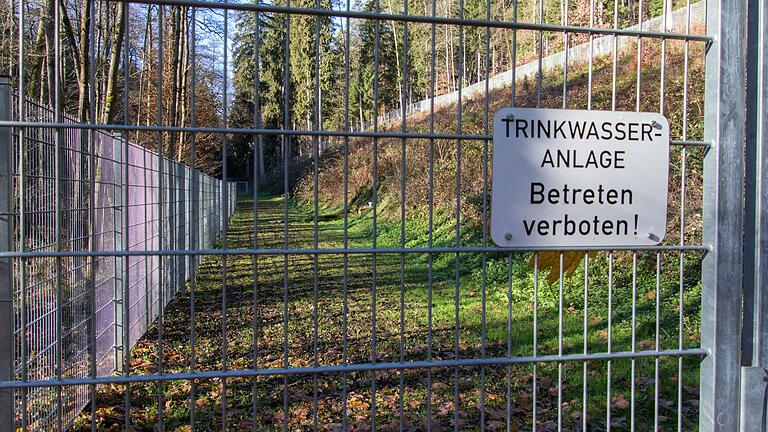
338,294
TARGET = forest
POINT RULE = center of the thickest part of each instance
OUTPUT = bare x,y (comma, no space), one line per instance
327,72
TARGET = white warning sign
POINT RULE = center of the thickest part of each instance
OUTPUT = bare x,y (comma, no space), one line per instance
570,178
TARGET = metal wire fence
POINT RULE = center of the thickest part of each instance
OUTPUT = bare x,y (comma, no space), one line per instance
68,196
398,338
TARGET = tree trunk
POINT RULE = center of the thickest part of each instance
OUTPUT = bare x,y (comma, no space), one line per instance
101,48
146,58
50,70
37,67
84,53
183,94
114,60
70,36
397,58
174,64
360,106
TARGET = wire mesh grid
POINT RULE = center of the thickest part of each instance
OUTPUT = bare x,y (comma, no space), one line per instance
298,323
66,307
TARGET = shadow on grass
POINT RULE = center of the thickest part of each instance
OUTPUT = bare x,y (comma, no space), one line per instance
329,319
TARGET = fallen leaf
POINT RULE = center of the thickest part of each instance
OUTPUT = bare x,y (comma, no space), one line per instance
619,401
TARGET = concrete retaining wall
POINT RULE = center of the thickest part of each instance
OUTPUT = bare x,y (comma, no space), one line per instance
600,46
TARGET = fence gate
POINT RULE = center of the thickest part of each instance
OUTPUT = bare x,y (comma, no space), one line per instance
361,291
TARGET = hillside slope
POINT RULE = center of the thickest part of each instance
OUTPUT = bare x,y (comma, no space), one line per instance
414,153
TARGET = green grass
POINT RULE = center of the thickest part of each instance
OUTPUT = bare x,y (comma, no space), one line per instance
499,295
509,285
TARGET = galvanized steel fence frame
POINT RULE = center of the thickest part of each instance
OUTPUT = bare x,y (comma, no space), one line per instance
754,337
721,399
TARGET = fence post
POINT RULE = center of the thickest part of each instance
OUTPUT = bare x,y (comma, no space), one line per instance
121,243
755,331
723,199
194,216
7,416
181,222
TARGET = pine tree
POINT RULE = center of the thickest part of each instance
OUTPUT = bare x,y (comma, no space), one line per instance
247,35
311,37
272,56
268,34
364,78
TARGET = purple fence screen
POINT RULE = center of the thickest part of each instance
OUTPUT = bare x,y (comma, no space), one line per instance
69,310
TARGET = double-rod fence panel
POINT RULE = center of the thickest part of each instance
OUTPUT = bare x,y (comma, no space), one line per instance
72,272
66,193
